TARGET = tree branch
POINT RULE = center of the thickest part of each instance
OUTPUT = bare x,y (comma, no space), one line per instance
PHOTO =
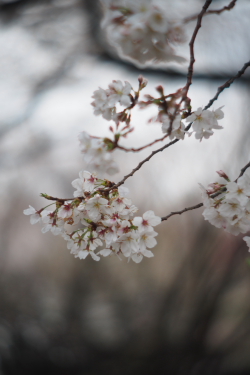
220,89
242,171
228,84
181,212
60,200
143,147
191,47
213,11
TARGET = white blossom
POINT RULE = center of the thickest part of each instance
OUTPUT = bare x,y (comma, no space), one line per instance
100,219
35,216
237,192
147,240
231,208
203,121
65,211
120,93
247,239
178,128
96,155
105,101
146,33
147,221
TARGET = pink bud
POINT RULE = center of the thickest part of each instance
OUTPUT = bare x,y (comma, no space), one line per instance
160,89
223,175
214,187
142,82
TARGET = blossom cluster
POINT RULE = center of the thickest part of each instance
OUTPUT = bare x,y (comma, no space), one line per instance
227,205
105,101
98,153
144,31
101,216
97,156
203,121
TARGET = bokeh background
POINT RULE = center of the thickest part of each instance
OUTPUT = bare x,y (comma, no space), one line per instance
187,310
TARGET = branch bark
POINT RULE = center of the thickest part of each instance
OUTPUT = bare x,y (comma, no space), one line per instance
228,7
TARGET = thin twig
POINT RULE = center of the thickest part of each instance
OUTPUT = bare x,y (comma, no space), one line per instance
143,147
212,11
242,171
181,212
191,48
191,65
228,84
60,200
141,163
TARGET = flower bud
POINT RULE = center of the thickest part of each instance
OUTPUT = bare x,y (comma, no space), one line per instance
223,174
142,82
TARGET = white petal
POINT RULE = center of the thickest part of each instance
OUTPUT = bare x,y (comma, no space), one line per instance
105,252
94,256
137,258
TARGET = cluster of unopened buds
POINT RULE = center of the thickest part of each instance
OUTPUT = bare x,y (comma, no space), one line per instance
227,205
101,216
144,31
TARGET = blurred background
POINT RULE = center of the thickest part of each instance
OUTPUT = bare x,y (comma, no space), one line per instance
187,310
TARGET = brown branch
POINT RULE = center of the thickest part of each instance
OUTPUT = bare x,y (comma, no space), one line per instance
143,147
191,48
212,11
242,171
228,84
181,212
61,200
191,64
140,164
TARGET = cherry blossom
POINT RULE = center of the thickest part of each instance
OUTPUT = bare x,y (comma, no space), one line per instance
247,240
147,221
203,121
143,31
35,215
178,127
105,100
107,220
96,155
119,93
230,209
